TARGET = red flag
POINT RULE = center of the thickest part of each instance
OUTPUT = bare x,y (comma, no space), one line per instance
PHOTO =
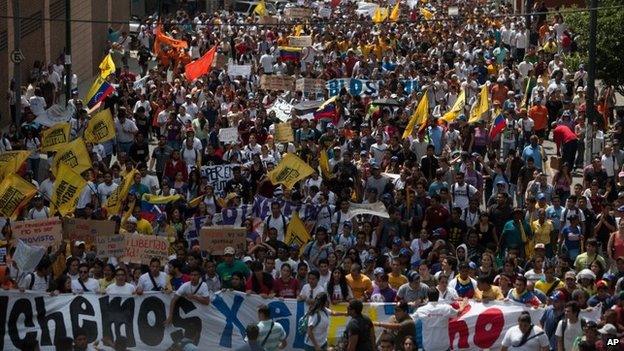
200,66
335,3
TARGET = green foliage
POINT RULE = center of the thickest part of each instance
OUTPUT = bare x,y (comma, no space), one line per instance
609,43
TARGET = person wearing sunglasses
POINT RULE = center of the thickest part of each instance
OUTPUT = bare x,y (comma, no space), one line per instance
84,283
121,286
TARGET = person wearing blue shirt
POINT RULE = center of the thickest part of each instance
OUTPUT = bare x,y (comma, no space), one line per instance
553,212
533,150
571,237
435,135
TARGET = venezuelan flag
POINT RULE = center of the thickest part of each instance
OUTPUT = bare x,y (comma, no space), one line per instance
328,110
289,53
500,123
100,94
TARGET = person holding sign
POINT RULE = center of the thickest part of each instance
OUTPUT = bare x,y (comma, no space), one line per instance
154,280
194,290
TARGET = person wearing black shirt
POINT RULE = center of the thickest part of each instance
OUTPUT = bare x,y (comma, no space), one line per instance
360,332
429,163
239,185
456,228
500,212
139,151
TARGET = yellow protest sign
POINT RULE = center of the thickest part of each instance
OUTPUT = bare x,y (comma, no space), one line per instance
283,133
161,200
419,116
324,163
296,232
73,154
116,198
11,161
100,128
54,137
481,107
66,190
14,193
457,109
289,171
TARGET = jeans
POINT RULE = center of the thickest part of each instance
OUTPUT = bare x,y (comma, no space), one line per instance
569,152
124,147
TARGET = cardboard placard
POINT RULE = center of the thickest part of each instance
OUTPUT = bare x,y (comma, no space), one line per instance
86,229
216,238
310,85
39,232
239,70
228,135
110,246
324,12
298,12
268,20
270,82
142,248
283,133
302,41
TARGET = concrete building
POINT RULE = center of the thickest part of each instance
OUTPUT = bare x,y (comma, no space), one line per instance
43,36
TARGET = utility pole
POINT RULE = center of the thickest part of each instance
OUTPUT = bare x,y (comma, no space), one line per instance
590,97
68,61
17,70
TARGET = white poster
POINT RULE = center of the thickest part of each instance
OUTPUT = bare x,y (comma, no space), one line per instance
239,70
228,135
282,110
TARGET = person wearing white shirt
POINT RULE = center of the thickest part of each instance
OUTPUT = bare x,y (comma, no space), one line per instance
436,315
105,188
515,339
46,185
193,290
154,280
143,102
266,61
609,162
570,327
312,289
125,129
190,107
524,67
38,280
87,194
85,284
121,286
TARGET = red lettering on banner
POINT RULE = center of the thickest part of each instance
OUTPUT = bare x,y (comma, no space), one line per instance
455,326
488,328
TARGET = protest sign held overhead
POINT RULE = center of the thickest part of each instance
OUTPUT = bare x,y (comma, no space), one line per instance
216,238
12,161
39,232
55,136
86,230
66,190
73,154
100,127
15,192
289,171
142,248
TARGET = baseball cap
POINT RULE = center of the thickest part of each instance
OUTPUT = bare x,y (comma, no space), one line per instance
404,252
397,240
247,259
340,248
79,242
379,271
608,329
131,219
414,276
541,196
570,274
602,284
540,246
229,251
621,174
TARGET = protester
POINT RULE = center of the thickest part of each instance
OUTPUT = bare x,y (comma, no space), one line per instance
431,154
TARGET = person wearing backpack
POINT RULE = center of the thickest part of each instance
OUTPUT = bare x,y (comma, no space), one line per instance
570,327
271,334
39,279
525,336
316,324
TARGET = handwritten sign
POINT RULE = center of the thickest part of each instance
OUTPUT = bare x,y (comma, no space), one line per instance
216,238
268,20
298,12
282,109
283,133
310,85
270,82
218,176
86,230
302,41
239,70
39,232
228,135
110,246
142,248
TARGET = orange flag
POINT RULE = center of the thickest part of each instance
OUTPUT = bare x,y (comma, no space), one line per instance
167,40
200,66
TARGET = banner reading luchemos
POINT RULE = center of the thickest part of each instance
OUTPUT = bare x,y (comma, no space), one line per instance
218,326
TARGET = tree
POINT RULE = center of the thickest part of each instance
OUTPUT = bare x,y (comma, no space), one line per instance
609,41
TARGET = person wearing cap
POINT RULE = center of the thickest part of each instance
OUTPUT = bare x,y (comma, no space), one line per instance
463,283
382,291
229,266
553,314
38,211
130,226
414,292
602,296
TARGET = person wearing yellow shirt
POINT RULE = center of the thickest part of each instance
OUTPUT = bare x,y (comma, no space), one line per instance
590,256
550,283
361,285
542,229
143,226
550,47
396,278
486,291
129,227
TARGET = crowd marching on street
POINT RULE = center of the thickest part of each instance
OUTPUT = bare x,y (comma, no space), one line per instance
390,153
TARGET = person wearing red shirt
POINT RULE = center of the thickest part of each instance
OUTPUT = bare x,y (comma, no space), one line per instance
567,143
175,165
539,115
260,282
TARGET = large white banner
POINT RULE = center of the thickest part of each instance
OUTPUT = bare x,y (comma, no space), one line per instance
218,326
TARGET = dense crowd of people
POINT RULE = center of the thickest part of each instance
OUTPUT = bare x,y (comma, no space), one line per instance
473,211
